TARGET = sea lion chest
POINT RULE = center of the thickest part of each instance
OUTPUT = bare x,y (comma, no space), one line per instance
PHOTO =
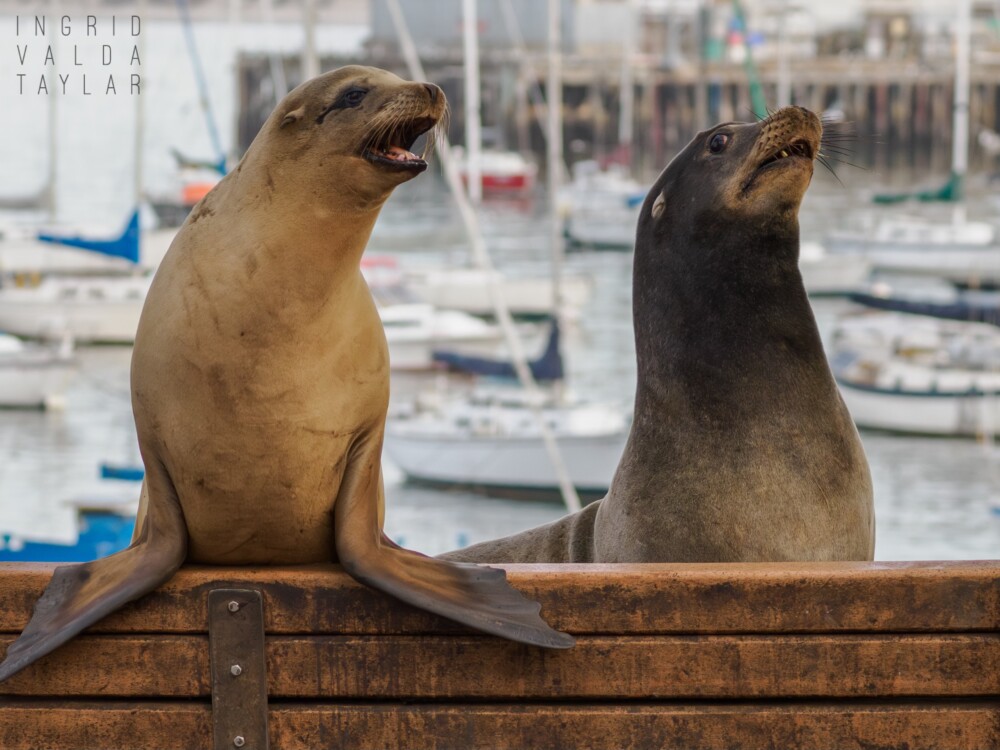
251,384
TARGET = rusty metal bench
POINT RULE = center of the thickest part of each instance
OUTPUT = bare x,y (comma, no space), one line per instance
699,657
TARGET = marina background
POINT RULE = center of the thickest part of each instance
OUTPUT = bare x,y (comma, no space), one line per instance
886,66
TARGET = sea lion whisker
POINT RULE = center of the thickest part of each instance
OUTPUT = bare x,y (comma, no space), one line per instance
437,132
841,139
380,129
840,150
847,163
822,160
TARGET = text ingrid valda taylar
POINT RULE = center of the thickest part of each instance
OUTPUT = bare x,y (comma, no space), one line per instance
84,55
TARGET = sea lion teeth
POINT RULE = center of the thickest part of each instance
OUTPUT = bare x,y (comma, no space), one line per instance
741,449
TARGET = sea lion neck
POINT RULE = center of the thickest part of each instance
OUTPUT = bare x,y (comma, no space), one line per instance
752,273
318,237
756,314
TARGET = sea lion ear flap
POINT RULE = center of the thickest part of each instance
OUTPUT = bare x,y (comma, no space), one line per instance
658,205
294,116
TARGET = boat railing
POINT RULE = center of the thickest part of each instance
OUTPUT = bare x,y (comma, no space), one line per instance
704,657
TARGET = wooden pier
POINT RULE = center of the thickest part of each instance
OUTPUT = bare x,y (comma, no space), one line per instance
898,112
700,657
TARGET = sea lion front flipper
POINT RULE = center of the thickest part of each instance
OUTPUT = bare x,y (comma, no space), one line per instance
473,595
80,595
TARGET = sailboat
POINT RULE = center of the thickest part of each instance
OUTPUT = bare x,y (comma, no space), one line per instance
95,307
547,367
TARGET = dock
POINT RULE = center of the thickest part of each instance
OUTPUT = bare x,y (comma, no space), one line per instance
832,656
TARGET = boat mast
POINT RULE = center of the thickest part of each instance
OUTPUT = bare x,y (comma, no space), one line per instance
278,79
626,112
960,111
555,147
531,88
140,133
50,186
473,122
784,73
482,258
310,58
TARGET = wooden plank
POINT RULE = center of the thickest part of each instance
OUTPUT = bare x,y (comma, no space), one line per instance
598,599
711,727
165,666
663,667
66,725
480,668
187,726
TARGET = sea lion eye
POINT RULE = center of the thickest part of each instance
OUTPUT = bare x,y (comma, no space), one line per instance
353,97
349,99
718,143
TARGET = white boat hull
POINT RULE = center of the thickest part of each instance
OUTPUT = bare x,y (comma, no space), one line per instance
469,291
823,273
112,322
89,308
921,413
505,463
33,385
603,229
961,262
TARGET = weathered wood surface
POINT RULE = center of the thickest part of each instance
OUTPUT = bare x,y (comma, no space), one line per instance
389,726
700,657
598,667
595,599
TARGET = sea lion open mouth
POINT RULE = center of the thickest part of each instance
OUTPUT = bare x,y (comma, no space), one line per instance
392,148
797,147
789,153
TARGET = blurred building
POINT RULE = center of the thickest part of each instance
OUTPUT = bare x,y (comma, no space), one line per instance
885,65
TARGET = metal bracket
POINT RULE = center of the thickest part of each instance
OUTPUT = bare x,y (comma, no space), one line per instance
239,671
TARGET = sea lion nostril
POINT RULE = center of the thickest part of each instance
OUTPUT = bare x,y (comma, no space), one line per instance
432,92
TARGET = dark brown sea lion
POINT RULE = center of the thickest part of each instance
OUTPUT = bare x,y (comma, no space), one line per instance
260,377
741,448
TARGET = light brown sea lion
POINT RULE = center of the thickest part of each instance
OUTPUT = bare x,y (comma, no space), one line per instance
741,448
260,377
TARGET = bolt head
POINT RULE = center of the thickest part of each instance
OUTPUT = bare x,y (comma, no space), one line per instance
236,670
234,606
239,741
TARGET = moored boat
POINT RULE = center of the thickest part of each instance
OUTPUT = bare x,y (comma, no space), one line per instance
501,172
89,308
414,331
919,375
965,252
33,375
491,441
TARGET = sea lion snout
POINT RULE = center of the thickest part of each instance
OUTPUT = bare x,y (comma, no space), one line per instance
432,92
791,131
778,166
